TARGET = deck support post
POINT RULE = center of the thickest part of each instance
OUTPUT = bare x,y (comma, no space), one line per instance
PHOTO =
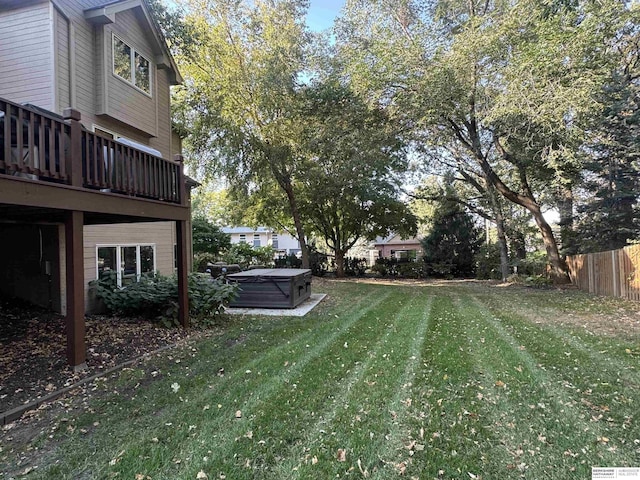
183,279
74,244
182,239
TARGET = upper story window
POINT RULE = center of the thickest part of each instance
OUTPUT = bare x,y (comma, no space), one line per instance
131,65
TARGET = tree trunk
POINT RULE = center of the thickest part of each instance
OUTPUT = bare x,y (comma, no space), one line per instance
558,271
297,221
339,263
565,208
502,245
502,239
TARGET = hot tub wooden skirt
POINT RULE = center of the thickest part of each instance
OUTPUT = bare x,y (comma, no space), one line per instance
272,287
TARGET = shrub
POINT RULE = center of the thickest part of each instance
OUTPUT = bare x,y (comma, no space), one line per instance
534,264
156,297
319,262
245,255
288,261
402,267
355,267
488,262
415,269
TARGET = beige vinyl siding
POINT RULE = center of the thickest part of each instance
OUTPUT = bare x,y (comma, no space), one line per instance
163,98
176,144
124,101
84,68
62,61
160,234
26,55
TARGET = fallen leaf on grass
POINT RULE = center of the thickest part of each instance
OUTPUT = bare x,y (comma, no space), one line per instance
342,455
500,383
117,458
201,475
175,387
314,460
238,414
364,472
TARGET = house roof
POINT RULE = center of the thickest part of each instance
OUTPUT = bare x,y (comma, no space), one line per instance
243,229
395,239
106,13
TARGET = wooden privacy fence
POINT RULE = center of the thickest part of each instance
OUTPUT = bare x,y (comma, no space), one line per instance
614,273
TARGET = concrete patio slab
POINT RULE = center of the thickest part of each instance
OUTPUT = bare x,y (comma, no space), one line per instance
300,311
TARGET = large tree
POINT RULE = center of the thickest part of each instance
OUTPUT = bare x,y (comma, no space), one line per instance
610,217
239,100
513,84
354,170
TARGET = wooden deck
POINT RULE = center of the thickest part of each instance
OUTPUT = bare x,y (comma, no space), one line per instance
53,170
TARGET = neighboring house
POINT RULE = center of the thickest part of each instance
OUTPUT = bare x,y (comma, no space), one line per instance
90,172
283,243
395,246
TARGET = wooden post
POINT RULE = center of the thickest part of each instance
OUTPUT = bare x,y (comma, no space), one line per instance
74,155
182,188
182,237
183,280
76,349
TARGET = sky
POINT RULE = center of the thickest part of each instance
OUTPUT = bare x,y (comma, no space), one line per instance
322,13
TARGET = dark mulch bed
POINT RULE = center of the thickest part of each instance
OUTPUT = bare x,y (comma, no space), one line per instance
33,343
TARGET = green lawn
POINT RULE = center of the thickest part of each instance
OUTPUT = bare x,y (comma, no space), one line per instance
449,380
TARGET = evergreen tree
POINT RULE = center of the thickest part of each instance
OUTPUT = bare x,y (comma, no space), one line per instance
611,218
452,243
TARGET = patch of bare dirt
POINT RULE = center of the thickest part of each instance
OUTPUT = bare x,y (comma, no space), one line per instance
33,342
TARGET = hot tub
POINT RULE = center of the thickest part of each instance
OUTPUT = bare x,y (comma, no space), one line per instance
272,287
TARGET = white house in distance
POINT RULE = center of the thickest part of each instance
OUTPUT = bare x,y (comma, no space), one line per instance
282,242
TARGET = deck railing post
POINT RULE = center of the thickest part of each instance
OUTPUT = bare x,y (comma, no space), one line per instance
182,189
74,155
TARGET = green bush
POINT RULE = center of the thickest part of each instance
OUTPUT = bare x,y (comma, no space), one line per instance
488,262
534,264
156,297
288,261
246,255
405,268
355,267
415,269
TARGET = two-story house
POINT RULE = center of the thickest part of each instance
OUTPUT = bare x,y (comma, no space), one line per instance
283,243
90,172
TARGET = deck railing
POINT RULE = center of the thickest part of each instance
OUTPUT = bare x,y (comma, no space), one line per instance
44,147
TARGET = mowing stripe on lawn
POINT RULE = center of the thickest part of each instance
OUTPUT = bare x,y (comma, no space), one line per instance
354,423
272,397
604,388
555,424
444,428
173,429
622,365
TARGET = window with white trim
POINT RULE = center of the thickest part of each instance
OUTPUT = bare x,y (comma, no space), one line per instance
130,262
274,240
243,238
256,239
131,66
